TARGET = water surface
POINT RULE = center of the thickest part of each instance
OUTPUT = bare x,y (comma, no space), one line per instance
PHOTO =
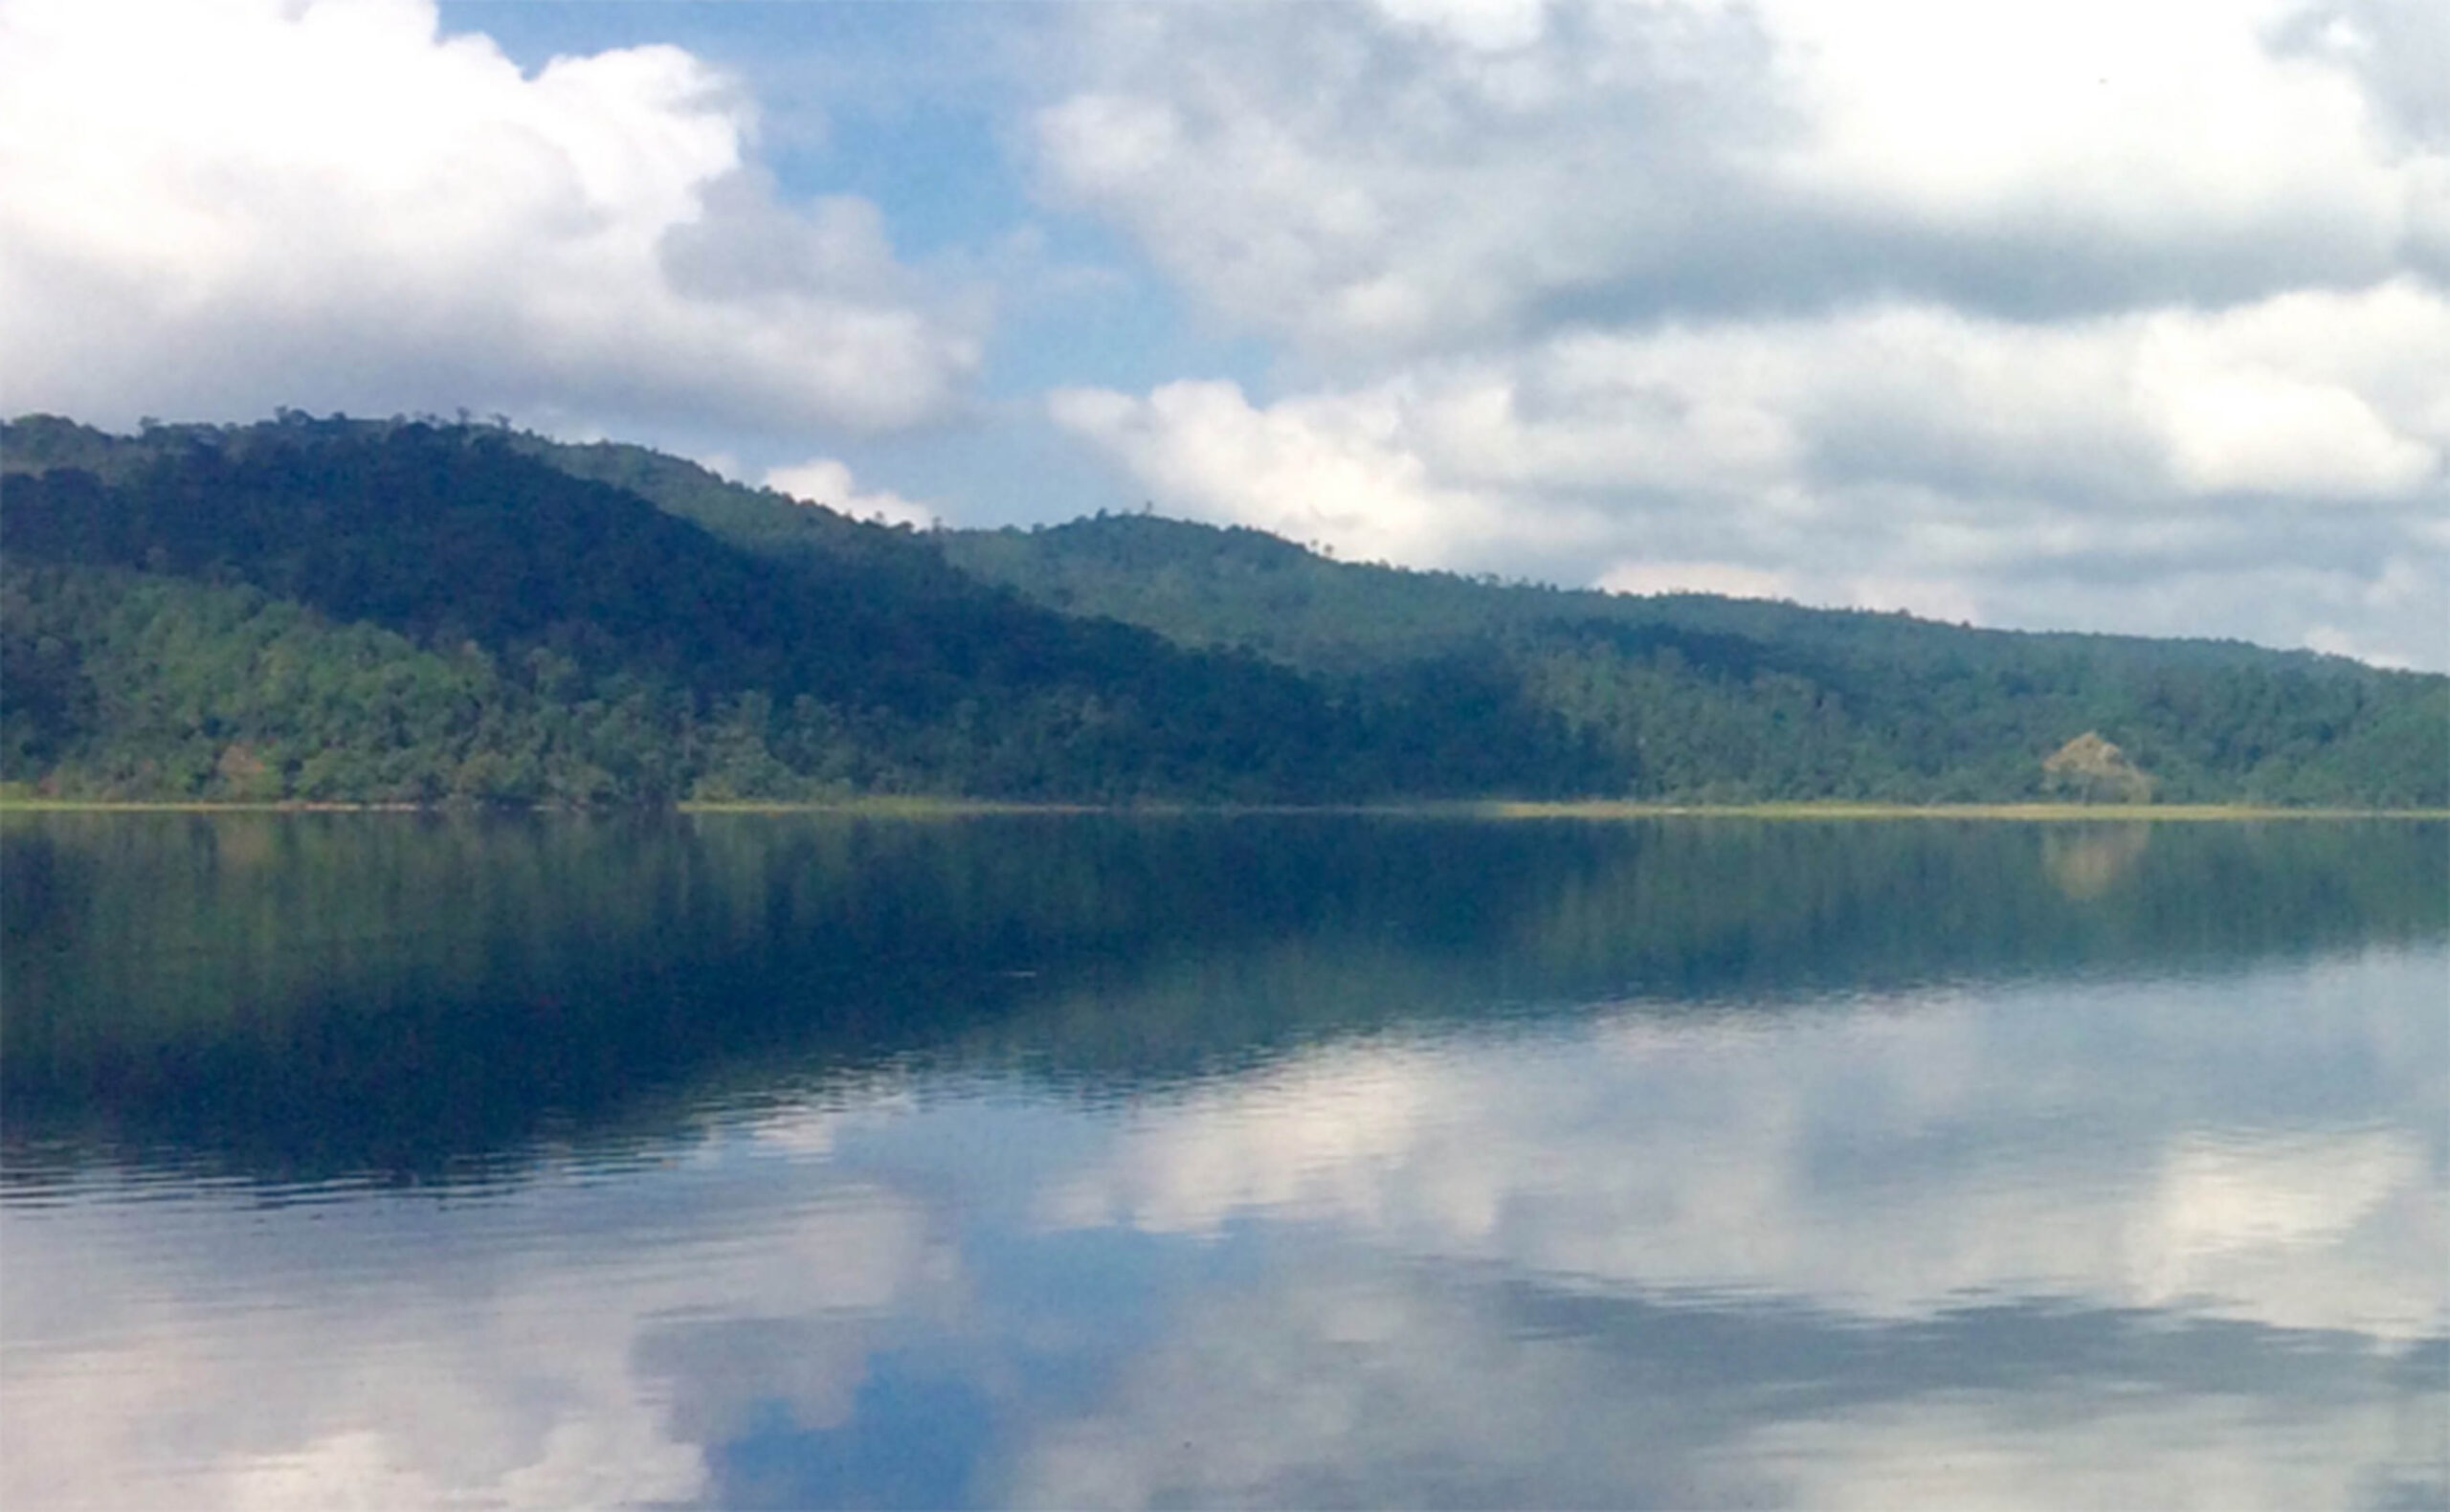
775,1161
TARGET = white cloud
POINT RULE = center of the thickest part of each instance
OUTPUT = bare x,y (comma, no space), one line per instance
824,481
1485,24
1423,172
2274,471
213,208
2065,316
1333,469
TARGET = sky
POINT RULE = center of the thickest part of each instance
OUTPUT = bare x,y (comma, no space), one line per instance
2087,315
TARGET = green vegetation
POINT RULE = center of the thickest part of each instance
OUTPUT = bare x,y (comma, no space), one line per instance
325,610
1695,698
339,610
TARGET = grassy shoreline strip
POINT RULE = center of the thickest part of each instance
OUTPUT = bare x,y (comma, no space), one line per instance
886,806
2013,812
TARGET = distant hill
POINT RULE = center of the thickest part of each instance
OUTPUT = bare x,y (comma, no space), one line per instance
1700,696
385,609
340,610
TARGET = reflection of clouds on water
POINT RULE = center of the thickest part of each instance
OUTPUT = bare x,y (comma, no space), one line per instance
2063,1244
2300,1222
2063,1450
593,1460
808,1129
376,1401
527,1364
1888,1163
1325,1390
1320,1137
2256,1192
1465,1388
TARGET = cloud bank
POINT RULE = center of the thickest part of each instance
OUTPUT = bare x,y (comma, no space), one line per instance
2065,316
2038,316
1414,174
216,208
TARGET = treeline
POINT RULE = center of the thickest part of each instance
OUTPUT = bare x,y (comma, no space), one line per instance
318,610
338,610
1693,696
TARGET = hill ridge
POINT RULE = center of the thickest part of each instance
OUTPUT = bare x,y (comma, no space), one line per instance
422,611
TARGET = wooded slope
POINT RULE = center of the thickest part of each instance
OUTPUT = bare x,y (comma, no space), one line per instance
394,610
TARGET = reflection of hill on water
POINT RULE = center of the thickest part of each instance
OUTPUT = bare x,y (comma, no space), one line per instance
317,993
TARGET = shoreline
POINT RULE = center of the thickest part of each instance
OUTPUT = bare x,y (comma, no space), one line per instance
1587,810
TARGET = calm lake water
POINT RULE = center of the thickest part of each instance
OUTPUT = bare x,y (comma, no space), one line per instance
405,1161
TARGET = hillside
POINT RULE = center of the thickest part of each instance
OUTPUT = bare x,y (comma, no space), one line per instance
333,610
1699,696
359,610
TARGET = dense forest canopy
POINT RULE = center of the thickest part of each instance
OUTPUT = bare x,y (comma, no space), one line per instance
347,610
1695,695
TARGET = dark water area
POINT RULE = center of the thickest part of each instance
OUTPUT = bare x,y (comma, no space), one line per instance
799,1161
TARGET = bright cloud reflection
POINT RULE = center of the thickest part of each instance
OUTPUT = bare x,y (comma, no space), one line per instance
1892,1160
411,1352
2124,1242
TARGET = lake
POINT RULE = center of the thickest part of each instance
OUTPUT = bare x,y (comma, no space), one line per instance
750,1161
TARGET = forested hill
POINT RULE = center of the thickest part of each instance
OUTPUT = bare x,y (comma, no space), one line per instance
367,610
344,609
1701,695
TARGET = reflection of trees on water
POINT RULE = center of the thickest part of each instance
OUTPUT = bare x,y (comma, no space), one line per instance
395,992
2085,860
